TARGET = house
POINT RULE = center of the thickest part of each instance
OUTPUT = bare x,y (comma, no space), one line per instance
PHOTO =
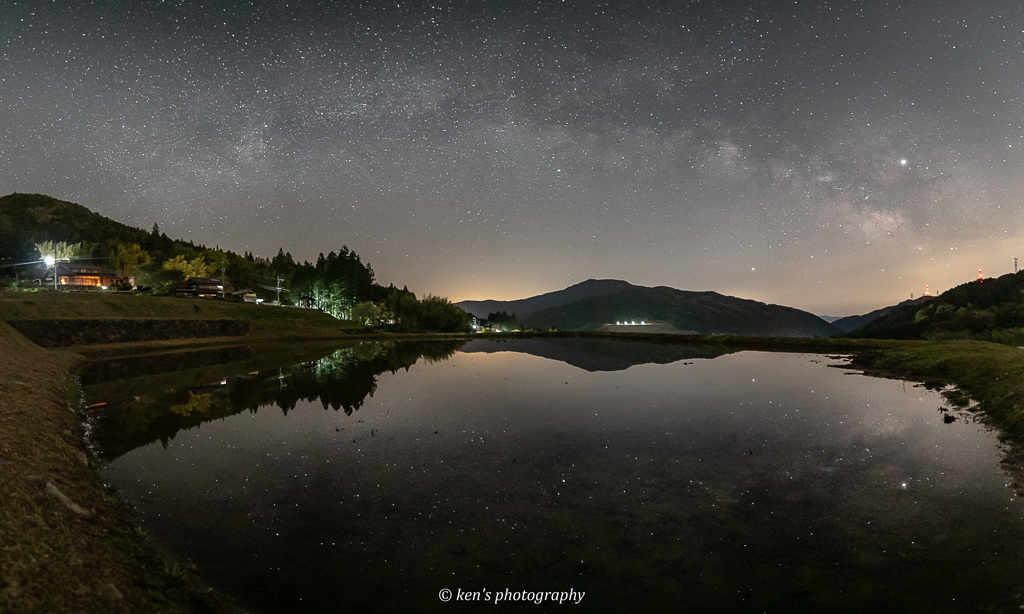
79,274
202,286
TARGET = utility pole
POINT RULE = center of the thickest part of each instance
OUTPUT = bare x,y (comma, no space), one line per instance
1014,265
276,287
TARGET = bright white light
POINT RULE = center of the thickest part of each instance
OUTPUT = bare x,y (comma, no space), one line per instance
49,260
903,162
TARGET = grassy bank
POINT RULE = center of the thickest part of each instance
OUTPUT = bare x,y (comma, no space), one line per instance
69,545
989,373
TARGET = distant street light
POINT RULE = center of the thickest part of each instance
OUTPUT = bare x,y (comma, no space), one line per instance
52,262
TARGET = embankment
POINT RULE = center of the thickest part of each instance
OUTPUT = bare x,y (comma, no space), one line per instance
63,333
69,545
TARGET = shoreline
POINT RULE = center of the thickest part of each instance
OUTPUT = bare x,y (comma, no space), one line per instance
97,559
71,544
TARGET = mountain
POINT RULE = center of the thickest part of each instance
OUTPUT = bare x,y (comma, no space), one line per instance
989,310
588,289
851,323
599,304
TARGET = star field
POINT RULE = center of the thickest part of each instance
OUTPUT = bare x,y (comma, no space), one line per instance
831,156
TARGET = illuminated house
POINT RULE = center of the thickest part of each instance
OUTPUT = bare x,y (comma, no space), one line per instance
74,274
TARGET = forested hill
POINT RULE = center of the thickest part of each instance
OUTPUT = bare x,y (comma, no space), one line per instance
851,323
28,219
989,310
32,223
338,283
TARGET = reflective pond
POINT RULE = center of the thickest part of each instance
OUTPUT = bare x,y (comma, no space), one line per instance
639,477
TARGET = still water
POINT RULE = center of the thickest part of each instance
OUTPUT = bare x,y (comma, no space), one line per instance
631,477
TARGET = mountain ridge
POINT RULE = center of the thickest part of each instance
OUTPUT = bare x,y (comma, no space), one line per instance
585,289
598,304
850,323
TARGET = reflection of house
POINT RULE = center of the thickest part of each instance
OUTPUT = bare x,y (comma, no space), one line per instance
202,286
81,274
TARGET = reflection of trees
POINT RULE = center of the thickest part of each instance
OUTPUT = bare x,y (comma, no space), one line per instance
196,404
341,380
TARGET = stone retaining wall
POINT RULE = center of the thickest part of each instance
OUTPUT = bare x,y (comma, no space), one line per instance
56,333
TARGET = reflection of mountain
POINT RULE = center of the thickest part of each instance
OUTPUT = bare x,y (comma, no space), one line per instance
341,380
597,354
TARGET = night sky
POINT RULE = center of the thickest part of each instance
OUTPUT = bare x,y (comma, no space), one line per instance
830,156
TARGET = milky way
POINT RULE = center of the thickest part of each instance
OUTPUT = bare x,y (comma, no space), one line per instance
832,156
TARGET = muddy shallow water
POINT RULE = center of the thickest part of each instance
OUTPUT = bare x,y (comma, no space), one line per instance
374,480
